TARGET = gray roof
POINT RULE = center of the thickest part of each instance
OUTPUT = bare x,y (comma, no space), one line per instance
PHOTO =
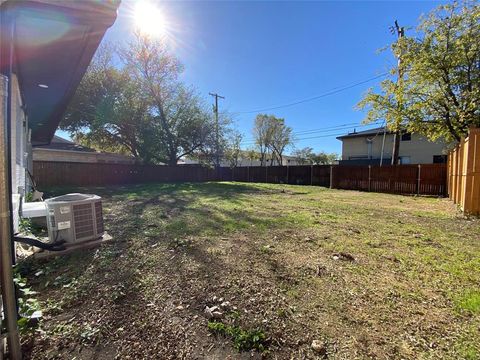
59,143
368,132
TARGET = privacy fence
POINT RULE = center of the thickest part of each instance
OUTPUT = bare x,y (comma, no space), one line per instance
401,179
464,173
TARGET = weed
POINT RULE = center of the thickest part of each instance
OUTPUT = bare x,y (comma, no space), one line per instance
30,228
265,249
28,306
469,301
243,340
89,334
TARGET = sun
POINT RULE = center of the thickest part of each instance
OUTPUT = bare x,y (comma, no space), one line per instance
149,19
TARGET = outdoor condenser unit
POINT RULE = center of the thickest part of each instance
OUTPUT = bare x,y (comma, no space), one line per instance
74,218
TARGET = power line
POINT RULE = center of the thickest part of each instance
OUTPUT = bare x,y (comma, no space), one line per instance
333,128
329,128
320,131
311,137
330,92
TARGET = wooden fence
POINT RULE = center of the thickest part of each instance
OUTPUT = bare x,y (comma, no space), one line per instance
426,179
464,173
401,179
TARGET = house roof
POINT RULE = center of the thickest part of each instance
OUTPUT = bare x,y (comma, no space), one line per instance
59,143
363,133
53,43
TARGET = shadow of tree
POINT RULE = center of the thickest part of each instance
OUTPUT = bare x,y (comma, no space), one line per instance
152,257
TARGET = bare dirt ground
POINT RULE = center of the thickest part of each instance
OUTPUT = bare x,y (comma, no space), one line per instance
361,275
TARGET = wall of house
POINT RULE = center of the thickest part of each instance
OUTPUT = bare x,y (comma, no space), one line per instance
418,150
20,147
41,154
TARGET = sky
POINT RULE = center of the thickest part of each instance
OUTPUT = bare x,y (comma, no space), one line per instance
260,55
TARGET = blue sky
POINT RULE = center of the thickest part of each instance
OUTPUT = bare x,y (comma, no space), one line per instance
264,54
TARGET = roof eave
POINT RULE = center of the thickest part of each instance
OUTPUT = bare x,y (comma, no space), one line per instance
94,16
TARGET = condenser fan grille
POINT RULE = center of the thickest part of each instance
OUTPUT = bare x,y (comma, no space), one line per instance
99,217
83,219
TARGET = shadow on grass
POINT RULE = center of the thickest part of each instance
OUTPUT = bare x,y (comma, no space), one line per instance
218,189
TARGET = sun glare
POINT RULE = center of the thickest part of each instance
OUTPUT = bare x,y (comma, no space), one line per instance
149,19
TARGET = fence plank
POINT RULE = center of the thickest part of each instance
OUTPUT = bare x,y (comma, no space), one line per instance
464,173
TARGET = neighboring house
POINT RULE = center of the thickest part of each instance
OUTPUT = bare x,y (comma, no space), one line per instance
46,47
242,161
63,150
365,148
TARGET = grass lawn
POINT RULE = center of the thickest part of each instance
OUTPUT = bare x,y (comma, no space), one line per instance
365,275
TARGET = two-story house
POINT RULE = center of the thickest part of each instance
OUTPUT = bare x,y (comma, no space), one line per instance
374,146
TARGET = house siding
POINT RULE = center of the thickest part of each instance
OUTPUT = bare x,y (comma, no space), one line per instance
19,150
418,149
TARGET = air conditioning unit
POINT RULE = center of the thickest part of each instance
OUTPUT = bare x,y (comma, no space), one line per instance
74,218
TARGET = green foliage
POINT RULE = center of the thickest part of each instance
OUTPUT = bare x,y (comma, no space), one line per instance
469,302
439,94
28,306
323,158
307,156
233,151
27,226
29,196
272,136
131,101
243,340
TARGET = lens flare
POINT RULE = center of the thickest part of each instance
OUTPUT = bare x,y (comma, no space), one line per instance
149,19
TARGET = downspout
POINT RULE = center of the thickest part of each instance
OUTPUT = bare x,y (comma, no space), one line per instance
6,219
383,144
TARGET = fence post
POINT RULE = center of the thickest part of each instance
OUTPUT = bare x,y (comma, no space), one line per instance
331,176
369,177
419,171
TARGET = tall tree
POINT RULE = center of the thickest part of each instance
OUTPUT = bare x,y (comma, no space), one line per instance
233,150
440,93
108,112
262,136
252,155
272,136
281,137
131,100
182,122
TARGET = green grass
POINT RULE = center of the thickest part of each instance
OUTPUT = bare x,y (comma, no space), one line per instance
411,293
469,301
243,340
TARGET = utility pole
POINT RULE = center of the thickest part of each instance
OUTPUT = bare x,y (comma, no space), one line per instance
215,110
400,31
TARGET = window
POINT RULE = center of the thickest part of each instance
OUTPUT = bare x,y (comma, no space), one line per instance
439,159
406,136
361,157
